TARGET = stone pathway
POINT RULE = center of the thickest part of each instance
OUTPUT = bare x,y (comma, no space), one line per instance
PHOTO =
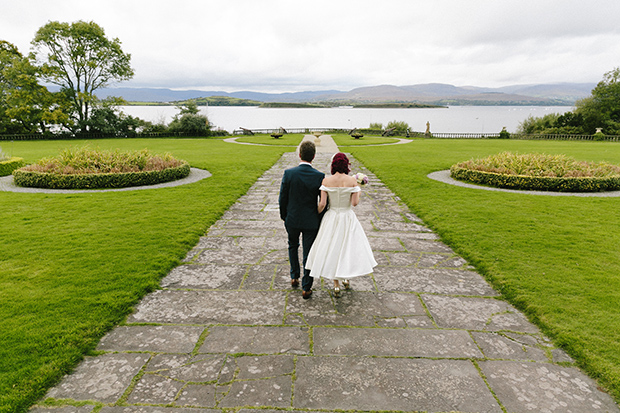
226,333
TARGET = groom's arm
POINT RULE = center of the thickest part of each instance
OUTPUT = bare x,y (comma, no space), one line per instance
283,198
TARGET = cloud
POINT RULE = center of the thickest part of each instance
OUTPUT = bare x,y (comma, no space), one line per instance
282,45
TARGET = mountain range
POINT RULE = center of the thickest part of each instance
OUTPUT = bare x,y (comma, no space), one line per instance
429,93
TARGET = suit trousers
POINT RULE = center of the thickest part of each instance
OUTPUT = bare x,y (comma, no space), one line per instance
307,236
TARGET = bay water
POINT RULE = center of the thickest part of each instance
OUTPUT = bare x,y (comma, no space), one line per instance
464,119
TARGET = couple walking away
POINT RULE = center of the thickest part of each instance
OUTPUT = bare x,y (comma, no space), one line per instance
319,209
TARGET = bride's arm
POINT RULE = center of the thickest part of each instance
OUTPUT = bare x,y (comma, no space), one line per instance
322,201
355,196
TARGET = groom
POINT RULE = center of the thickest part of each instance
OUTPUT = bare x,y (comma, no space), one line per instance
299,194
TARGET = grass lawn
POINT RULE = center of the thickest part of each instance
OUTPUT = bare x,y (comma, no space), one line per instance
289,139
342,139
73,265
555,258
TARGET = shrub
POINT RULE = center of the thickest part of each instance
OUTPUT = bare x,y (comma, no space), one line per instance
192,124
88,161
599,136
504,134
36,179
86,168
538,172
398,126
8,166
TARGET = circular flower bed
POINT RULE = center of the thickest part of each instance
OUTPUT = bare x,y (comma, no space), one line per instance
84,168
7,166
538,172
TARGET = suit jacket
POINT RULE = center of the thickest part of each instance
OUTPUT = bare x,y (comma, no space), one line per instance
299,194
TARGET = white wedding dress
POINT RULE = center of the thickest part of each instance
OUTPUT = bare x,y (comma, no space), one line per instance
341,249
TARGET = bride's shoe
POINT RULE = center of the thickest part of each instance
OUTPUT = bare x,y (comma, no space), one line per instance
345,284
336,292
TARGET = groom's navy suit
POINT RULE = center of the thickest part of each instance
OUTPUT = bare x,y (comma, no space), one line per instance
299,193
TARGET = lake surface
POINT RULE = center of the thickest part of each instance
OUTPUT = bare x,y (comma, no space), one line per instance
466,119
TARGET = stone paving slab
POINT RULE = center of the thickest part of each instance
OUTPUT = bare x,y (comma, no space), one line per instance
396,343
104,378
205,307
496,346
152,409
65,409
476,314
544,388
352,383
257,340
168,339
185,367
207,276
438,281
353,308
227,333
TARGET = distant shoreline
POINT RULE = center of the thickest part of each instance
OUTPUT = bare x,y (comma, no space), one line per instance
386,105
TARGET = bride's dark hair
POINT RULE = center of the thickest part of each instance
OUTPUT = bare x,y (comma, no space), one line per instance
340,163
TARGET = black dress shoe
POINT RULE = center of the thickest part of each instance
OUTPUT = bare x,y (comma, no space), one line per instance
306,294
295,282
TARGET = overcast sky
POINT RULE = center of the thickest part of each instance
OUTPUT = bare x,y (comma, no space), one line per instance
291,45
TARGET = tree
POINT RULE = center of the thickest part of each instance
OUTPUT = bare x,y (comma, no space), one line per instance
190,107
538,124
188,121
106,118
25,105
80,59
602,109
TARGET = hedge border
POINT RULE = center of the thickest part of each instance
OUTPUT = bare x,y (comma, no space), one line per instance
34,179
7,167
533,183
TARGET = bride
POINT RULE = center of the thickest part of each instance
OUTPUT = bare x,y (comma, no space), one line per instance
341,250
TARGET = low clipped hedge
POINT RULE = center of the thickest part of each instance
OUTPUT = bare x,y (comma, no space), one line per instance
34,179
7,167
536,183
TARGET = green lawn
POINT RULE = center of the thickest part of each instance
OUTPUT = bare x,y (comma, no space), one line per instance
72,266
555,258
342,139
289,139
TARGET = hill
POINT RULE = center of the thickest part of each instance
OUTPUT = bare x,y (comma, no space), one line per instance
564,94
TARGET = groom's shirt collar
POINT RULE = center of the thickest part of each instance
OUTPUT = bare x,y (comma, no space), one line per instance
305,163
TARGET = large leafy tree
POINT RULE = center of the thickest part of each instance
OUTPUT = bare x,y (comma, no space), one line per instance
80,59
25,105
602,109
599,110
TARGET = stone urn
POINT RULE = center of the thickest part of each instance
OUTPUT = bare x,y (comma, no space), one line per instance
317,140
357,135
